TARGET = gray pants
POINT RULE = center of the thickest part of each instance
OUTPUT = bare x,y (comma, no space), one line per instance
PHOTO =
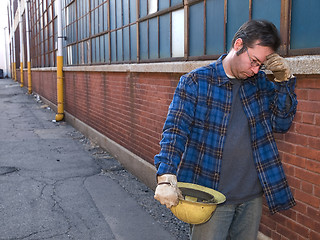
231,222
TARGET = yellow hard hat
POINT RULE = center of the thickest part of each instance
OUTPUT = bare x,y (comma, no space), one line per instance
198,204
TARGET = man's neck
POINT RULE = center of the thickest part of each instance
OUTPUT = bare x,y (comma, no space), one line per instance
226,66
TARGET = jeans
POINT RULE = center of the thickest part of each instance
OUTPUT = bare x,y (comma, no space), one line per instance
231,222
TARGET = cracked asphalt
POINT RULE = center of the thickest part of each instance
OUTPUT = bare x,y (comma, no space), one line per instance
57,184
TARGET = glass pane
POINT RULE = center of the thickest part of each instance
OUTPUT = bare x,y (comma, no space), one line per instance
119,45
105,16
163,4
164,30
96,21
153,38
85,50
133,9
119,13
133,42
175,2
215,32
143,8
305,27
93,50
236,20
112,15
143,40
97,50
178,33
101,49
126,44
100,19
106,47
113,47
92,23
125,6
152,6
271,11
196,29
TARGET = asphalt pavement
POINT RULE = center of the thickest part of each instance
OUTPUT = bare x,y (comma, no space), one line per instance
56,184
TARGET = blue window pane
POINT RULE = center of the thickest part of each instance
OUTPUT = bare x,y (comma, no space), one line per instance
126,44
106,47
215,27
101,49
133,42
175,2
143,40
164,31
105,16
97,50
87,26
163,4
125,6
113,47
153,38
196,30
80,52
112,15
143,8
93,50
119,45
85,52
238,13
96,21
271,11
133,9
119,13
100,23
305,24
92,23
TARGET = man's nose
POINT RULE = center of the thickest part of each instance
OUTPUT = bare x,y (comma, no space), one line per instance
255,69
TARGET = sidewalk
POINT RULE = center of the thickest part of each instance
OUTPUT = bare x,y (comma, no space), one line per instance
56,184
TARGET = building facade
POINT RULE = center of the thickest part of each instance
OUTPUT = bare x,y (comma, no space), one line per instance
122,60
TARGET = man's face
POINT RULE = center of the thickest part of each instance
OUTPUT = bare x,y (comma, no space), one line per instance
249,62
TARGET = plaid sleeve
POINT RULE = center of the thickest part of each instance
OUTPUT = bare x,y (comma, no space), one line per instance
284,105
177,126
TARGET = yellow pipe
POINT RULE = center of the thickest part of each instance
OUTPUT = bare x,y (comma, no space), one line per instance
29,78
21,74
60,112
14,72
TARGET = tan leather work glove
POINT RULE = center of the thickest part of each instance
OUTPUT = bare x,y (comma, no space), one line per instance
279,67
167,192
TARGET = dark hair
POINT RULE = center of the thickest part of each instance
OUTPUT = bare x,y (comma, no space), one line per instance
262,30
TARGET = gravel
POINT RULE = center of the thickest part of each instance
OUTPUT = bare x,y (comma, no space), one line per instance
136,189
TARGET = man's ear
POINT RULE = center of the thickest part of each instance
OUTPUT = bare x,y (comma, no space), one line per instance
238,44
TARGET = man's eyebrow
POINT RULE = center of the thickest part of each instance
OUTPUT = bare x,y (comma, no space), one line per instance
257,59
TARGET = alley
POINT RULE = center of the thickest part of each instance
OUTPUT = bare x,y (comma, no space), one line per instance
56,184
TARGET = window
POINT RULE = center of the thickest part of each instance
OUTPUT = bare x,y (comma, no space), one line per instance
130,31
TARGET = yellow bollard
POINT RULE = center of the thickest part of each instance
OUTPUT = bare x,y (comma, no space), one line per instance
60,111
29,78
21,74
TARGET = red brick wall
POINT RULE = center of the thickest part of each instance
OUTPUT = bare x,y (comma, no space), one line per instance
130,108
300,152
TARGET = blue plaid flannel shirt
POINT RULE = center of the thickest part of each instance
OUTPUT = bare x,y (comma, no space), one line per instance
194,132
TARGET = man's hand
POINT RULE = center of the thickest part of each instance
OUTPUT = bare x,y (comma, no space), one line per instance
167,192
279,67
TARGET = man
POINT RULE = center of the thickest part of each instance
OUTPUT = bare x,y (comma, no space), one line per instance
219,134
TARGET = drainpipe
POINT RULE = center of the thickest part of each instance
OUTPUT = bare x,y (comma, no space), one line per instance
28,45
21,43
60,109
14,73
6,50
